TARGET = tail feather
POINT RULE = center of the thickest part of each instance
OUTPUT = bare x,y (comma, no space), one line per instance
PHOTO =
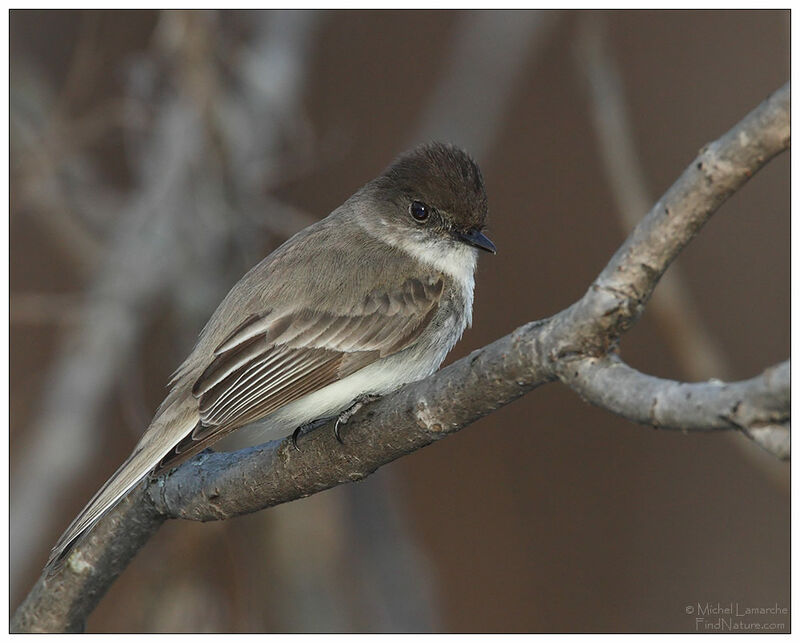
164,433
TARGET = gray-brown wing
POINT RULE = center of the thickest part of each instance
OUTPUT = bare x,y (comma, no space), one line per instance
280,356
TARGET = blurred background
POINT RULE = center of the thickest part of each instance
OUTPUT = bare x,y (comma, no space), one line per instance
156,156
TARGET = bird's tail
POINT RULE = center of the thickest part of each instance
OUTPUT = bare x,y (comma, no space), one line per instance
166,430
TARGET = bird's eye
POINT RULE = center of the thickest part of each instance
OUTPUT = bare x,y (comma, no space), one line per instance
419,211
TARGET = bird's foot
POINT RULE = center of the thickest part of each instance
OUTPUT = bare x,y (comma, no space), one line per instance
357,405
308,426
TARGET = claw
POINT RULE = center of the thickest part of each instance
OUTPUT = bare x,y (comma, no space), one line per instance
345,415
308,426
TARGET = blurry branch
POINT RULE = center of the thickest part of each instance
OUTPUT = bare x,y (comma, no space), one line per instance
577,347
42,146
171,239
484,62
52,166
45,308
674,311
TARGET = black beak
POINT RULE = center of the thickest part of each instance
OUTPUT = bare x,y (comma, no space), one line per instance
479,240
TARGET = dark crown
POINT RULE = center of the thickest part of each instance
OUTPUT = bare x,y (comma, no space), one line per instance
442,176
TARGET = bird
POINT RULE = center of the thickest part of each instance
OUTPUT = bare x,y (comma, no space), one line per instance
370,298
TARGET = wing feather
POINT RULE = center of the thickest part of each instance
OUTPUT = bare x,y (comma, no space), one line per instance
262,389
226,393
273,359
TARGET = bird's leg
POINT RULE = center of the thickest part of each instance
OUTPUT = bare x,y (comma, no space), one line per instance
308,426
355,407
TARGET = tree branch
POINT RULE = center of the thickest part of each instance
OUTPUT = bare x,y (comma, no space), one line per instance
672,306
665,404
575,346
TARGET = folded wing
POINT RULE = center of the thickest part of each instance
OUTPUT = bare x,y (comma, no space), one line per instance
278,357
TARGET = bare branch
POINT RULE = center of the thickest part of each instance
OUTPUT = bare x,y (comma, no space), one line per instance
675,312
222,485
617,297
750,405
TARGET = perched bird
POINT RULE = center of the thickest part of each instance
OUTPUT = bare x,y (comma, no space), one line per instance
370,298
